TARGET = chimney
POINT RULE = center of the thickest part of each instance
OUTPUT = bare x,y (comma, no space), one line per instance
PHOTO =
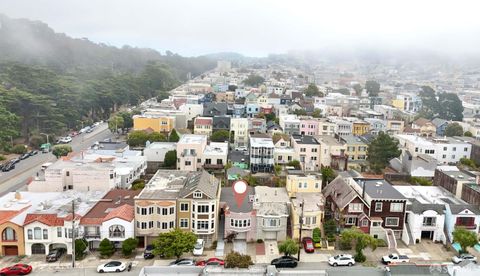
18,195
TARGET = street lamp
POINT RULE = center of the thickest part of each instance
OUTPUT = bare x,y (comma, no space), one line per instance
301,228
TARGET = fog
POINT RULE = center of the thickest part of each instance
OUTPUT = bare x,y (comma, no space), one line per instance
261,27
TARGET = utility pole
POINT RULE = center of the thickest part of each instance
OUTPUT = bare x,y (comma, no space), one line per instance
73,233
301,228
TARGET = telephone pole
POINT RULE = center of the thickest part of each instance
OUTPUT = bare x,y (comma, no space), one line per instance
301,228
73,234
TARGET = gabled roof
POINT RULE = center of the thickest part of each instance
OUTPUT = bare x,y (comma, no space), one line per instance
47,219
458,208
340,192
421,122
200,181
438,122
125,212
7,215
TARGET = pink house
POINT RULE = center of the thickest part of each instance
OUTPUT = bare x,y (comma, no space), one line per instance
307,149
236,205
309,127
190,152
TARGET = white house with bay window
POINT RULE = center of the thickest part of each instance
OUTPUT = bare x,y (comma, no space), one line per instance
272,207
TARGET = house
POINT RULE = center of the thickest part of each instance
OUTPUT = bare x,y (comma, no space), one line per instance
345,205
360,127
421,165
326,127
203,126
395,126
273,128
425,127
344,127
272,207
239,131
215,109
309,127
157,123
190,149
376,125
238,110
290,124
111,218
453,179
252,109
301,182
236,204
285,100
261,154
192,110
221,123
333,152
308,150
440,125
309,209
257,125
214,156
262,100
251,98
171,199
155,154
356,151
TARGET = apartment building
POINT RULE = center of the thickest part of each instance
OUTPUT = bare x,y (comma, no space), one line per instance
272,207
333,152
308,151
203,126
301,182
160,123
189,152
356,151
290,124
452,179
360,127
261,153
239,131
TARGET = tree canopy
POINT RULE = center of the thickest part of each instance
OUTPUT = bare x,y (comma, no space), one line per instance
253,80
220,136
170,160
453,129
372,87
361,240
312,91
61,150
465,238
174,243
173,137
288,247
448,106
381,150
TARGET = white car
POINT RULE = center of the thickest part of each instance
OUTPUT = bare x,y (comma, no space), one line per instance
65,140
342,259
241,149
464,258
113,266
198,249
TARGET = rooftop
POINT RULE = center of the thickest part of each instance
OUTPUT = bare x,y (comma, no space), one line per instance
305,140
245,206
350,139
161,145
329,140
216,148
313,202
193,139
380,189
261,142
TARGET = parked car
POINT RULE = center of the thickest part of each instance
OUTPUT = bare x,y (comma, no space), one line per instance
342,259
8,167
64,140
15,160
285,261
55,254
73,133
395,258
308,245
89,130
183,262
198,249
148,253
464,258
211,261
33,152
113,266
17,269
24,156
242,148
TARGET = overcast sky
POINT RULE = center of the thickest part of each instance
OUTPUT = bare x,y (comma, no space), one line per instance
260,27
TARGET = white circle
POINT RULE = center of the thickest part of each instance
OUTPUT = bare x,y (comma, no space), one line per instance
240,187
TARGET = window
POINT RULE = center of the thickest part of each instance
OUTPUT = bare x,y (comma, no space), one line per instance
299,185
444,156
279,158
429,221
199,160
465,149
184,223
316,185
150,224
350,220
150,210
164,225
219,161
376,224
355,207
30,234
365,223
144,225
45,234
454,149
453,156
164,211
188,163
183,207
202,209
310,220
59,232
117,231
171,224
416,149
445,148
303,149
314,150
9,234
37,233
396,207
144,211
197,195
68,173
208,161
202,225
391,221
240,223
172,210
378,206
273,222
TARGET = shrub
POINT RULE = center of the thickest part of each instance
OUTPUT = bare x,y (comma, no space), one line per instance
381,243
330,227
360,258
106,248
36,141
235,259
61,150
214,245
259,241
138,184
128,246
331,238
316,235
80,246
2,157
345,245
19,149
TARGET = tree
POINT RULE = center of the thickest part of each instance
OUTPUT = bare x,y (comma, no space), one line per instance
156,137
451,108
270,117
80,247
170,160
138,184
232,87
453,129
465,238
361,241
128,246
173,136
115,122
237,260
358,89
174,243
294,163
316,235
19,149
468,134
381,150
430,107
106,248
312,91
330,227
328,174
9,123
300,112
137,138
317,113
253,80
127,119
372,87
220,136
61,150
288,247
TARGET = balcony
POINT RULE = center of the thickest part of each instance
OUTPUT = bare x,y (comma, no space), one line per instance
188,154
213,166
429,224
92,236
469,227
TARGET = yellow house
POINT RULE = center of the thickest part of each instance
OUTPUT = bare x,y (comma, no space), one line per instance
360,128
399,103
310,206
155,123
356,151
299,182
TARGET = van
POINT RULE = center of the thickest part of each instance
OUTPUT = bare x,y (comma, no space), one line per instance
46,165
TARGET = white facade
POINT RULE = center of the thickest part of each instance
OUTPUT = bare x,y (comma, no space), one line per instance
239,127
191,110
155,152
108,229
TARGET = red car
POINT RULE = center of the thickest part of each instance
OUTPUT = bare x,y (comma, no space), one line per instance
18,269
308,245
211,261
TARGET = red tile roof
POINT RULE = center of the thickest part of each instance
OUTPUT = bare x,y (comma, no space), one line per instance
8,215
48,219
203,121
124,212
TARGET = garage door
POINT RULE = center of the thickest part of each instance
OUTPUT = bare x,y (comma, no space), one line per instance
241,236
38,248
10,250
271,235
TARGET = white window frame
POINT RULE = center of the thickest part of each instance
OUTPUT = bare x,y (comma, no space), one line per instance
350,220
396,207
184,221
197,195
390,225
355,207
378,203
182,204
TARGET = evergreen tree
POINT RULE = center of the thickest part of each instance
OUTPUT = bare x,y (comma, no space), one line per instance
173,136
381,150
106,248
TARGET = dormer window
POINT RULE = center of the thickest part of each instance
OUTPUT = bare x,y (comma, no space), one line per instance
197,195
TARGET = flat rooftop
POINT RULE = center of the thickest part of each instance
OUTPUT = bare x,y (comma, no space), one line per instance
428,194
193,139
329,140
216,148
161,145
261,142
165,184
313,202
305,139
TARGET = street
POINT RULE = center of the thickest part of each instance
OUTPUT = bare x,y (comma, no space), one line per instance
25,169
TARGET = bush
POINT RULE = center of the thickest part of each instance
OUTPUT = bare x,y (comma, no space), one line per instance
259,241
345,245
330,227
19,149
61,150
106,248
36,141
316,235
214,245
420,181
2,157
360,258
80,246
381,243
138,184
331,238
235,259
128,246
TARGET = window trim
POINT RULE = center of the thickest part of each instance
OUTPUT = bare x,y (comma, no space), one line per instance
392,225
381,206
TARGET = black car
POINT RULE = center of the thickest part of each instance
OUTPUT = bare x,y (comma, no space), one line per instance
15,161
285,261
8,167
55,254
148,253
33,152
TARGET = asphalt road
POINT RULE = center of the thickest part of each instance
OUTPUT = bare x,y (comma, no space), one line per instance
83,272
17,178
